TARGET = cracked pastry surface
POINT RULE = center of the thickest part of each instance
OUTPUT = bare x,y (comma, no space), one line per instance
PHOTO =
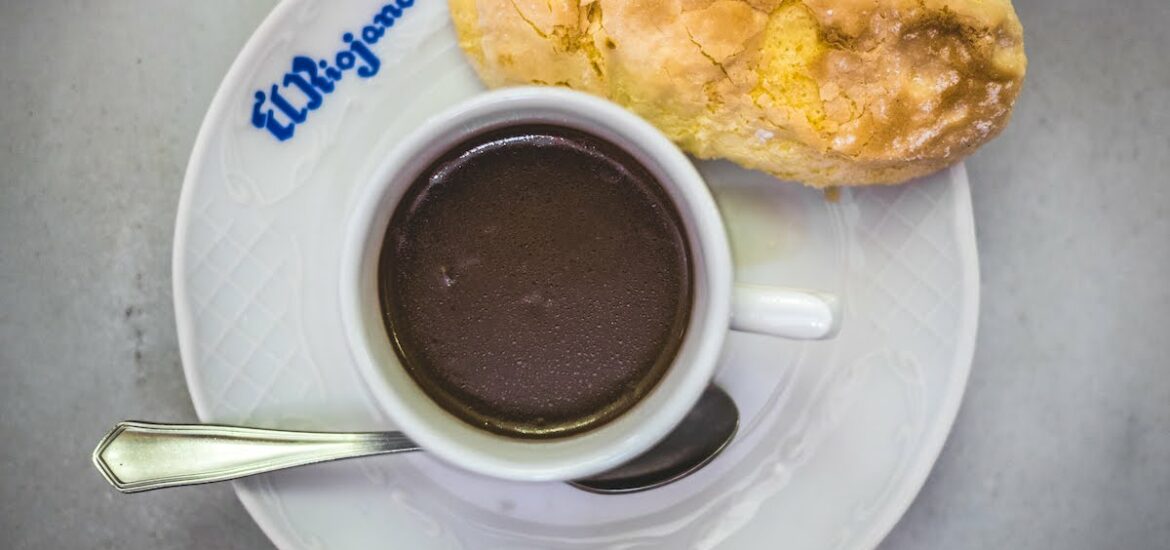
826,92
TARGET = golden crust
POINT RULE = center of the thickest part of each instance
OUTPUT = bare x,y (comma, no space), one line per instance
827,92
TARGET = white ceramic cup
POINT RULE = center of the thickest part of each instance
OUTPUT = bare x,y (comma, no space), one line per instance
719,304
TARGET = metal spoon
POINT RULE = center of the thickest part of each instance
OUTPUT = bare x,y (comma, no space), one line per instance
141,456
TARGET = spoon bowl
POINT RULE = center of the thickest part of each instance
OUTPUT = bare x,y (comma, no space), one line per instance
694,443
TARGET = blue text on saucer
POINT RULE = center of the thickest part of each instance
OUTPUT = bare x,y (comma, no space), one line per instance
305,87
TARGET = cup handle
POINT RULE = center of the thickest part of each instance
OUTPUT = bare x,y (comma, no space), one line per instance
785,312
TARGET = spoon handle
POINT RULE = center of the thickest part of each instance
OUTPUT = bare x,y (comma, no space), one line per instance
140,456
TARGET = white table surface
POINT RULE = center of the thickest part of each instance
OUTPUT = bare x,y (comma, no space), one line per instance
1063,440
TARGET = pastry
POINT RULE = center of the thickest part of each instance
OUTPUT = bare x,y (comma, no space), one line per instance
826,92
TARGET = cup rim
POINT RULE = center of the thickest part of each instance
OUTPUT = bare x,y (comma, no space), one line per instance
605,446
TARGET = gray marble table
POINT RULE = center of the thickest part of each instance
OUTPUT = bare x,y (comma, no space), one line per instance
1063,440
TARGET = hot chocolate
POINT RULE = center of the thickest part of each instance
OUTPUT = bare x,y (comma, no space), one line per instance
536,281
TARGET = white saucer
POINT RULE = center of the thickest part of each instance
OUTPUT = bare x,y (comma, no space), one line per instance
836,437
